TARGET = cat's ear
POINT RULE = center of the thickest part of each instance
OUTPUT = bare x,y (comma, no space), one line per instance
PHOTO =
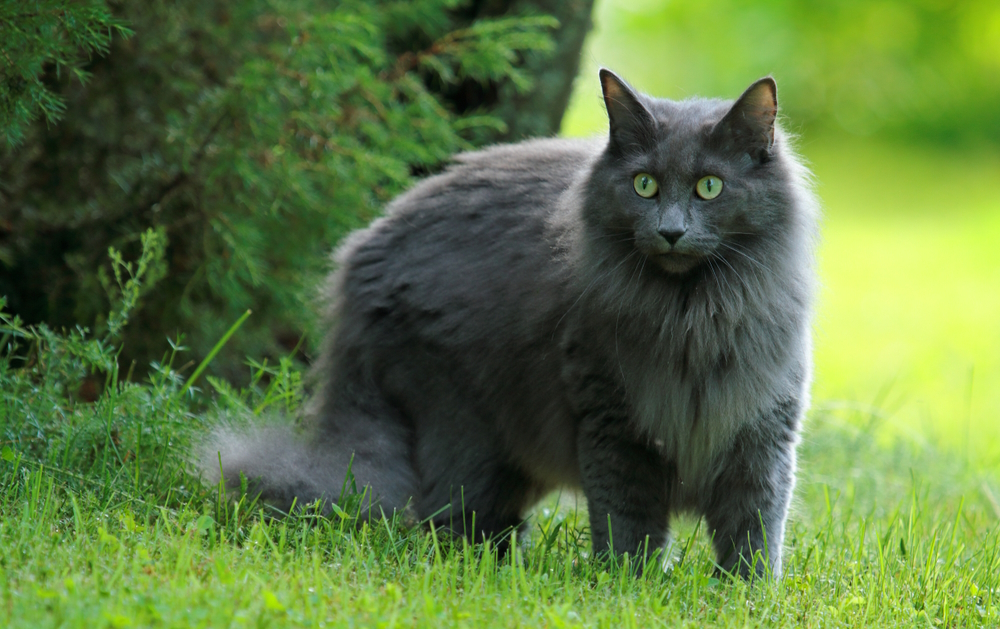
631,124
749,125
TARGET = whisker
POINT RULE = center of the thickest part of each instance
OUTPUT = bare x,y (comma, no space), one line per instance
742,251
616,232
739,277
737,247
722,275
622,237
715,275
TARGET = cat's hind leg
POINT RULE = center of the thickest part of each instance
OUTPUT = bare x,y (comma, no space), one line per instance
468,487
375,449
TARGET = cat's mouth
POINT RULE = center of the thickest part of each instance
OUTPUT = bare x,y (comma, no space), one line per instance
674,262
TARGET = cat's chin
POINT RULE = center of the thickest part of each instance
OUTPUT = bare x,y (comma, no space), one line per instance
677,263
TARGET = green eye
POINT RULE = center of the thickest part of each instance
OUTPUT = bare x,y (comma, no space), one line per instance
645,186
708,187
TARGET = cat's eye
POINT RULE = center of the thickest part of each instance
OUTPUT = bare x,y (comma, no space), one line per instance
708,187
645,186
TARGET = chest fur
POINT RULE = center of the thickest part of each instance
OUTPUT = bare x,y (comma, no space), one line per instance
696,386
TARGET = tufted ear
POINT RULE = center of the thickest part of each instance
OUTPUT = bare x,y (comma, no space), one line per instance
631,124
749,125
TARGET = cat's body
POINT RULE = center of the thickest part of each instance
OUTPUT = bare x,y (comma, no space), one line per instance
528,320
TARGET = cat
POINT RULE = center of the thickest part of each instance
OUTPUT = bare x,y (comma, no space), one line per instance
627,315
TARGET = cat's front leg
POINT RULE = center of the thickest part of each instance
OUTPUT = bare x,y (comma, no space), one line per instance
626,484
747,505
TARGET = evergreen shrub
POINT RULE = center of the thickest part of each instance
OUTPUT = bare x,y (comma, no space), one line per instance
252,135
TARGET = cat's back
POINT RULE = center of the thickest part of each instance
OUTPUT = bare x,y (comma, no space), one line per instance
507,188
477,237
505,180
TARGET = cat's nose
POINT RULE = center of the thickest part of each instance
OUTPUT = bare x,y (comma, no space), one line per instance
671,234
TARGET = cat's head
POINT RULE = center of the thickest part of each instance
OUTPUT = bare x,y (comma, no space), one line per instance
684,182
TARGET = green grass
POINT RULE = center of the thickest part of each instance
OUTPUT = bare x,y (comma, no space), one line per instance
880,537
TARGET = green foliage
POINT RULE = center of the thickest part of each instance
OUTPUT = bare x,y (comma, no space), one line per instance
487,50
253,135
119,443
67,410
36,35
131,282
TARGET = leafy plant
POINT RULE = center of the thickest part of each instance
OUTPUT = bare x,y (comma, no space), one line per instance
37,36
254,135
121,440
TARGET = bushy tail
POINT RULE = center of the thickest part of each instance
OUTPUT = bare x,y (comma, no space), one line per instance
278,465
286,470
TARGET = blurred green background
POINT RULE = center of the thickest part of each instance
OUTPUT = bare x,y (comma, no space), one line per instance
897,109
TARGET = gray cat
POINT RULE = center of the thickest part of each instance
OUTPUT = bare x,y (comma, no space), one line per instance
628,316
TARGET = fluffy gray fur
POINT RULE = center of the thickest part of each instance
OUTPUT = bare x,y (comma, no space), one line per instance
526,321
